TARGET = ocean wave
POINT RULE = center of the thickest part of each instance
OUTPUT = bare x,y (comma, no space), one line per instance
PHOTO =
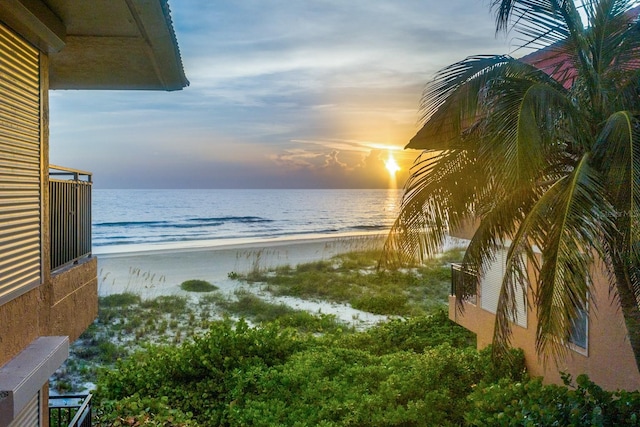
131,224
266,233
239,219
369,227
187,223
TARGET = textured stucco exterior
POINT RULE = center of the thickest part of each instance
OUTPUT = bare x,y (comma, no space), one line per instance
19,324
608,358
75,299
71,310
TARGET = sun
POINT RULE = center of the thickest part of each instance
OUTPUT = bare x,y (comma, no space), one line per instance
392,165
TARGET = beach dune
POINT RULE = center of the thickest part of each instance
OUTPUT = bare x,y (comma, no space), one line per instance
159,270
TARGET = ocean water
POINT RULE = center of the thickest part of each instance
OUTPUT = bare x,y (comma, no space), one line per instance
184,218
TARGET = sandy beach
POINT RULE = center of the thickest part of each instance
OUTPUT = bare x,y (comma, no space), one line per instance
158,270
154,270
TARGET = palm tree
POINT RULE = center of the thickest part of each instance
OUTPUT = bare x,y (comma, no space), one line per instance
542,151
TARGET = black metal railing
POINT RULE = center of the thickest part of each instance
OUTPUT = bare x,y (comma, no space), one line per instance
464,283
70,215
70,410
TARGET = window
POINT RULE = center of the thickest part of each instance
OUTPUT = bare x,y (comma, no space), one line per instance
578,335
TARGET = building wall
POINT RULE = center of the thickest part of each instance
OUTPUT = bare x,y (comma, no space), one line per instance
75,300
608,359
71,309
19,324
62,305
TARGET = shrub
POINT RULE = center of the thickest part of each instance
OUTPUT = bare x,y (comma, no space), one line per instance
383,303
142,411
399,373
196,285
304,321
532,403
119,300
339,386
415,334
199,375
511,366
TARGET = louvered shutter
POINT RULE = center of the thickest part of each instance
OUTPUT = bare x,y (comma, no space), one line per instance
30,414
20,198
490,288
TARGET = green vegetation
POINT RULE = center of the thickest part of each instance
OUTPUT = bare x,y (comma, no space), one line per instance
509,403
252,307
174,361
354,278
423,371
237,375
120,300
546,159
196,285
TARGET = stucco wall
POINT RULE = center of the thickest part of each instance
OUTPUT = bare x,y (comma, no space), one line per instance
608,360
75,299
65,306
19,324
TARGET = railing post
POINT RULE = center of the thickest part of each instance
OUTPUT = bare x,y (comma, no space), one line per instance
74,411
460,273
70,234
76,219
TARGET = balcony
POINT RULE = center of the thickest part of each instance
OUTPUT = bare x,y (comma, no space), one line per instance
70,411
73,282
70,215
464,283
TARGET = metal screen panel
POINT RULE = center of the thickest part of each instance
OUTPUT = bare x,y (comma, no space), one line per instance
20,198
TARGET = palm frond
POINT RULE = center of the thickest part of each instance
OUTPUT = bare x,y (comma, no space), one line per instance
438,196
515,284
540,22
530,235
522,132
473,69
577,219
617,152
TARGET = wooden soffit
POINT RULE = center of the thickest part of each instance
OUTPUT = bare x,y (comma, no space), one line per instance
102,44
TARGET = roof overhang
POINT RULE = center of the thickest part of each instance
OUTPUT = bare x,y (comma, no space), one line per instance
554,60
102,44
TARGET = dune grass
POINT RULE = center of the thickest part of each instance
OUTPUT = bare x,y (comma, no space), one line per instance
354,278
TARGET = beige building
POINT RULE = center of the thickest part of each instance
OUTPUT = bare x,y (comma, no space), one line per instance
599,344
48,277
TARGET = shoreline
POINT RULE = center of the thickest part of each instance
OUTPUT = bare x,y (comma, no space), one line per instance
151,271
159,270
241,243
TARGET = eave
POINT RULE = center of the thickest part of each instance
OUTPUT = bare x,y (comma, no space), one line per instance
102,44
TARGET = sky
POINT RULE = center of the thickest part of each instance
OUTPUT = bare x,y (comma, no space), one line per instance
283,94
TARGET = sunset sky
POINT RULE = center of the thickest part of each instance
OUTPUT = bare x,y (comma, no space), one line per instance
283,94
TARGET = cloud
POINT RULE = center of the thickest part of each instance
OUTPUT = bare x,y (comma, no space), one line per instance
303,94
